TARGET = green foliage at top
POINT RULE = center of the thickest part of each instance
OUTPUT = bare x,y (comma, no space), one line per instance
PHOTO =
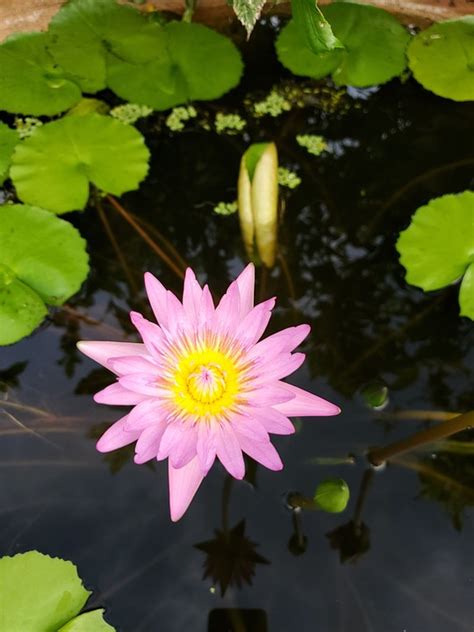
248,12
43,259
374,47
332,495
53,167
31,82
84,32
195,63
8,140
313,26
437,248
442,58
38,593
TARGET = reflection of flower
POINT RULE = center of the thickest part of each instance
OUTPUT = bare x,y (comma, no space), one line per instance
202,386
231,557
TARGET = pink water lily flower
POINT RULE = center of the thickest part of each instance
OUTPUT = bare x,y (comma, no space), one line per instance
201,384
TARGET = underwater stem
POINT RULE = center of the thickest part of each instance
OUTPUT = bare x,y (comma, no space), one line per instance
378,456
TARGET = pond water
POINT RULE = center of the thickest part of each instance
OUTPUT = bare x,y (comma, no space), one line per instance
400,558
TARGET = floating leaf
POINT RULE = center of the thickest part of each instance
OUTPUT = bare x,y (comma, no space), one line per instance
442,58
199,64
248,12
258,200
332,495
437,248
42,260
38,593
30,80
374,47
8,140
83,32
311,23
53,168
88,622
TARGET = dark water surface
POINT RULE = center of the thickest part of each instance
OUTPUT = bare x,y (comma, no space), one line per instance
401,562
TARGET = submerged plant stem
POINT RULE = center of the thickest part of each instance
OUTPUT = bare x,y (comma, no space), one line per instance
378,456
153,245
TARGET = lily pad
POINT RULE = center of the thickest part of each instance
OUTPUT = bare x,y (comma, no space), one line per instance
84,31
199,64
374,47
313,26
31,82
88,622
53,168
437,248
38,593
8,141
43,259
442,58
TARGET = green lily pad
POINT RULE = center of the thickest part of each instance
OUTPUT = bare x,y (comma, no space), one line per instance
84,31
31,82
437,248
313,26
442,58
199,64
88,622
43,259
38,593
8,141
53,168
374,47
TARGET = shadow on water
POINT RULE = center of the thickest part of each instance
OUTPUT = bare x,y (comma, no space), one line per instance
404,566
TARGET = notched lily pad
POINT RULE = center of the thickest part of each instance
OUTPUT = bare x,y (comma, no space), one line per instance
31,82
38,593
374,47
43,259
53,168
196,64
437,248
8,141
442,58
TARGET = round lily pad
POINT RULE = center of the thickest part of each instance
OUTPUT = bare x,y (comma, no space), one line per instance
31,82
442,58
38,593
53,168
83,31
88,622
374,47
8,140
43,259
437,248
198,64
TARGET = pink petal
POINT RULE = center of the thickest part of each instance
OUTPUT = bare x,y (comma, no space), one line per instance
176,316
269,395
178,444
131,364
206,446
146,413
305,404
191,295
278,368
227,316
116,436
148,443
101,351
183,485
262,452
206,307
255,323
283,341
246,283
117,395
157,296
143,383
151,334
272,420
229,451
250,426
